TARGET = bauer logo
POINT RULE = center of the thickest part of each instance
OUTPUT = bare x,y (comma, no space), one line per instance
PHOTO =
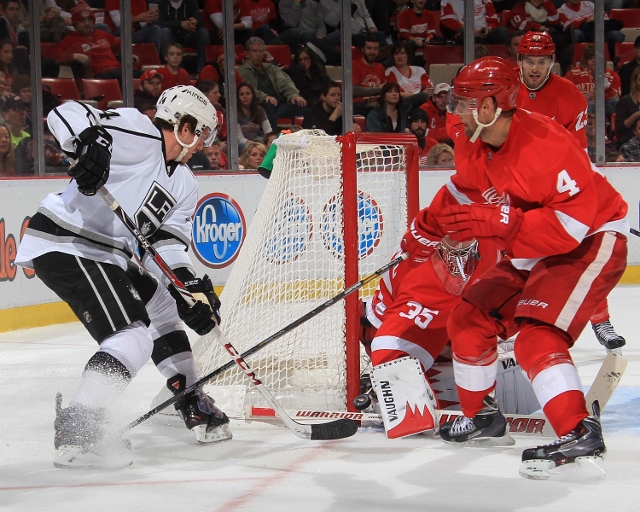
218,230
370,226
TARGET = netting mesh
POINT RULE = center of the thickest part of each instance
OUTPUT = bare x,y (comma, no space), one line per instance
293,260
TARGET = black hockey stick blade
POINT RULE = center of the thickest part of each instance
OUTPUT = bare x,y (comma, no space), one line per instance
634,231
338,429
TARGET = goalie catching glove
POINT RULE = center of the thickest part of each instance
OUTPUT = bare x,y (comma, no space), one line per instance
469,221
93,156
204,315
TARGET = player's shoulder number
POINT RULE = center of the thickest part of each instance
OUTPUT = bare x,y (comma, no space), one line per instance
566,184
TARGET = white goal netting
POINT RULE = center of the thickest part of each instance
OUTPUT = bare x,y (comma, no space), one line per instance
293,260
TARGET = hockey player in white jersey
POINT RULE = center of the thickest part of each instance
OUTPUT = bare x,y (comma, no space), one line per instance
83,252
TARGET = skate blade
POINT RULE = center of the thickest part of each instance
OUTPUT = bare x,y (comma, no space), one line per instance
581,470
218,434
616,351
74,457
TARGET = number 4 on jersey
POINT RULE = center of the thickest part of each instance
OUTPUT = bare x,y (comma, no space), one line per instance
566,184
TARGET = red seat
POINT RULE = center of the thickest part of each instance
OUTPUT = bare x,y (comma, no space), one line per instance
63,88
630,17
443,54
281,53
103,90
298,120
504,16
360,121
147,54
498,50
625,51
356,53
578,50
212,52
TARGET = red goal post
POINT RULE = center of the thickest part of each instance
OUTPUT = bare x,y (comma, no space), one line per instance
335,209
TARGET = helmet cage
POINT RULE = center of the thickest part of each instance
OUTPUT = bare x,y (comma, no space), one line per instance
454,264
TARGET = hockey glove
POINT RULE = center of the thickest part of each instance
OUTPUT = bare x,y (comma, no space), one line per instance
204,315
469,221
420,241
93,155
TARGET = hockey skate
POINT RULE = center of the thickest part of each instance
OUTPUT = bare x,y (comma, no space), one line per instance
583,446
487,428
608,337
199,413
82,443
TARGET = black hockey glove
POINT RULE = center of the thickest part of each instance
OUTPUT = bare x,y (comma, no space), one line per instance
204,315
93,155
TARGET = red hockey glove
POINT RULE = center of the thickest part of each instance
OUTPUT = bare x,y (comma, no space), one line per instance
420,241
468,221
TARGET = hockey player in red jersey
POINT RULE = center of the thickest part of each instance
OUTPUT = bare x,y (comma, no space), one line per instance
563,227
543,91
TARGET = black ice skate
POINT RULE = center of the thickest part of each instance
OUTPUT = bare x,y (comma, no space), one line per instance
199,413
487,428
82,443
584,445
608,337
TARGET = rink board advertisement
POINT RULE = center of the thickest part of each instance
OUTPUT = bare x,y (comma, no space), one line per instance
223,215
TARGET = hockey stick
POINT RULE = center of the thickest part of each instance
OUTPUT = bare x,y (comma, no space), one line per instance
606,381
333,430
634,231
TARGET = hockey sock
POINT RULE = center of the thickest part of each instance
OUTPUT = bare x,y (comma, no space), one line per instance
172,355
103,379
601,313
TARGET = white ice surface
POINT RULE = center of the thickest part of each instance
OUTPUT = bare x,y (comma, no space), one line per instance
265,467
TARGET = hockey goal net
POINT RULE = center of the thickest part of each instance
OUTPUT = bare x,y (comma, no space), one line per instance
334,210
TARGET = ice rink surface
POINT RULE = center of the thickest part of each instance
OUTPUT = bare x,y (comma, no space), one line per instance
265,467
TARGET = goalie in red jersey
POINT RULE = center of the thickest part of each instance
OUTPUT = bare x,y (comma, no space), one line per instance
405,328
543,91
563,227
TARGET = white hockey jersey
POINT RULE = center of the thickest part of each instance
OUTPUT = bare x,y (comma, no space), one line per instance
160,198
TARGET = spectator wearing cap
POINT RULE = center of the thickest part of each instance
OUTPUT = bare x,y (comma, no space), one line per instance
628,67
436,109
90,51
147,94
14,112
417,125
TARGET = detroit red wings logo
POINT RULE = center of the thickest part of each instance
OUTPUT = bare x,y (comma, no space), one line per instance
491,196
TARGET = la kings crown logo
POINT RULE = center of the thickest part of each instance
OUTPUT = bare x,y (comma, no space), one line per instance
154,209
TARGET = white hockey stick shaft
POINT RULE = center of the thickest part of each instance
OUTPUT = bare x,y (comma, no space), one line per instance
606,381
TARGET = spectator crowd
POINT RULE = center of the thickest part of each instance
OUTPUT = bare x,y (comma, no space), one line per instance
299,86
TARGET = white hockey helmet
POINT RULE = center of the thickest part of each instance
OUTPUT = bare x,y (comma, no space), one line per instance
181,100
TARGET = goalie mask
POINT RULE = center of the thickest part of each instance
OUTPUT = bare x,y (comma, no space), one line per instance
181,100
454,263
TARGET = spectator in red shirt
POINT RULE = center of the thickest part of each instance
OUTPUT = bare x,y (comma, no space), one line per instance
368,77
143,22
212,20
583,76
436,109
264,20
90,51
412,25
172,73
214,71
486,22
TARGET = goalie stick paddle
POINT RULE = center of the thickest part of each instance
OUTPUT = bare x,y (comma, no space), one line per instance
332,430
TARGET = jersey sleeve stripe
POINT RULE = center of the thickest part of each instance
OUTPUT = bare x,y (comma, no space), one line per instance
573,227
457,195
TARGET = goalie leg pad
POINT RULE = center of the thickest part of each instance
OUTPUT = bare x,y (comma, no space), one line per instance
407,402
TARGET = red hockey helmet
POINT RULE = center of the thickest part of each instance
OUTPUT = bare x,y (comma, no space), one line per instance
487,77
536,43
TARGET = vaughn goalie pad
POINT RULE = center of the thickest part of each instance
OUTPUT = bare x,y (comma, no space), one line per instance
407,403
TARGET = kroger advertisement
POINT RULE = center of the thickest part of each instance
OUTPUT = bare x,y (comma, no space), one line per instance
224,212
